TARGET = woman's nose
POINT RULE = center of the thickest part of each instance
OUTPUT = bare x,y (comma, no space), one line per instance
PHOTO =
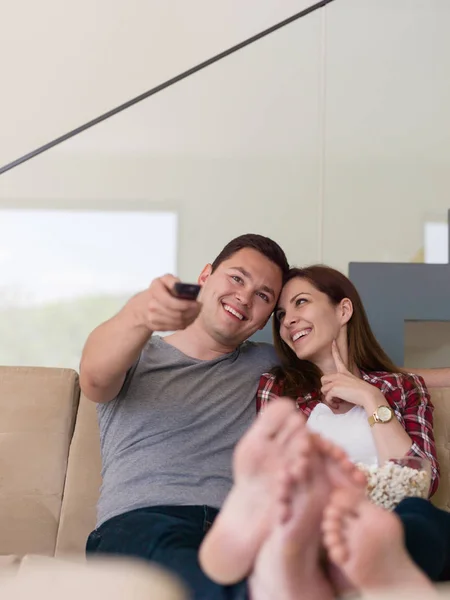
290,319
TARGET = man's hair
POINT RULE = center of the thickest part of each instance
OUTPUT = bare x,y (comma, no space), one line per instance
260,243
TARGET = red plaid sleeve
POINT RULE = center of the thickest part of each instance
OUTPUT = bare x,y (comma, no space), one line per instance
407,394
418,422
268,389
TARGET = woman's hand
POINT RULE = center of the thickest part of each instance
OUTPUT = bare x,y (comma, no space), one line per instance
343,385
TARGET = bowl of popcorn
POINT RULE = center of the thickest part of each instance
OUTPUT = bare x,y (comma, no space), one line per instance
397,479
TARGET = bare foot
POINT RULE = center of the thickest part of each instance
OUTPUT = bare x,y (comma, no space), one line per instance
342,474
366,542
275,442
341,471
288,567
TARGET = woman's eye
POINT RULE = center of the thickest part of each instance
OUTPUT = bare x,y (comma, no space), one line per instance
279,316
300,301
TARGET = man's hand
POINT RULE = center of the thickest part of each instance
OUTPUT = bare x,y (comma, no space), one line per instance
114,346
157,309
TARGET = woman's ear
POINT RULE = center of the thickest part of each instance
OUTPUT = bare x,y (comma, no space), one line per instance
207,270
346,310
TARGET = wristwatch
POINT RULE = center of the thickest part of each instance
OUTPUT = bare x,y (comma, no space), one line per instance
383,414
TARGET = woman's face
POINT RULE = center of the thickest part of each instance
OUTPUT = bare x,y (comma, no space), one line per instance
308,321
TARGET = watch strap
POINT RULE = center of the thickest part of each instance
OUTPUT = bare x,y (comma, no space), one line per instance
374,418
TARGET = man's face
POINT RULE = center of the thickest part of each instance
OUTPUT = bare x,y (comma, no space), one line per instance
239,297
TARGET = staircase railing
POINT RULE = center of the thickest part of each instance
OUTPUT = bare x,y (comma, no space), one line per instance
163,86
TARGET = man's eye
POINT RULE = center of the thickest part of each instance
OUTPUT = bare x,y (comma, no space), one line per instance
264,297
237,278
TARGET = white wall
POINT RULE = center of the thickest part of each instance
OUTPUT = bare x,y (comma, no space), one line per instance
331,135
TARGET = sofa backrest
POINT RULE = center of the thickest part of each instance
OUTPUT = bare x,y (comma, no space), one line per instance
37,416
50,460
83,481
83,475
440,397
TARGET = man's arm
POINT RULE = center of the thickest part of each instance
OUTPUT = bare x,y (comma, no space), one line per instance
110,350
114,346
434,377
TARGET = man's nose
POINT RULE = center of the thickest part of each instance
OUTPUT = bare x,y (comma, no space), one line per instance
244,297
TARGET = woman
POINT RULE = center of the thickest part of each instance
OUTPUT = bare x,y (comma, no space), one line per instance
341,378
350,392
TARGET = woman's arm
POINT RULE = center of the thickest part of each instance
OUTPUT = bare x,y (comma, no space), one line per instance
412,437
418,419
391,439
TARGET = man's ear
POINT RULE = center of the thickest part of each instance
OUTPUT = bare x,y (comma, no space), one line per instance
207,270
346,310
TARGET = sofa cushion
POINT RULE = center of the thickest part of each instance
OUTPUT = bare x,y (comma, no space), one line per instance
83,482
9,562
115,579
37,415
440,397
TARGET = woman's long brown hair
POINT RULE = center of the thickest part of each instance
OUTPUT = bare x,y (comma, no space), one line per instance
301,377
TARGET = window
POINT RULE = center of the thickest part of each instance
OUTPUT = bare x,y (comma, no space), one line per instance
436,243
64,272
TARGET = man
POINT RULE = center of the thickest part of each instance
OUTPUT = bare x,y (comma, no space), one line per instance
172,410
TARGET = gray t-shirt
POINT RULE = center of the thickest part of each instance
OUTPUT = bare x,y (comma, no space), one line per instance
169,436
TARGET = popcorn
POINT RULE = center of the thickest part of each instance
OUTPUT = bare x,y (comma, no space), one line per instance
390,483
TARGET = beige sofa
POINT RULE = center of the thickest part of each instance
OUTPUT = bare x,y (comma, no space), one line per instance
50,461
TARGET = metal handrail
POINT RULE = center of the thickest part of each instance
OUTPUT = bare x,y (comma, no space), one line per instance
163,86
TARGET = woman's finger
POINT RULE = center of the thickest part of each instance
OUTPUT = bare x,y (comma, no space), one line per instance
340,366
331,400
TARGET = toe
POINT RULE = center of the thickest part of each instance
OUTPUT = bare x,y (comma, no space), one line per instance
291,431
337,551
273,419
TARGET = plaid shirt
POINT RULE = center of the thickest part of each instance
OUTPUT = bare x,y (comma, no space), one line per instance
407,395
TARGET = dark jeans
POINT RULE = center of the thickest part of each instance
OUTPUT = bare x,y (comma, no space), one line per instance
427,536
167,535
171,537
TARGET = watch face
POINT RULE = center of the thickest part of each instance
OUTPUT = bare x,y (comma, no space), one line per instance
384,413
